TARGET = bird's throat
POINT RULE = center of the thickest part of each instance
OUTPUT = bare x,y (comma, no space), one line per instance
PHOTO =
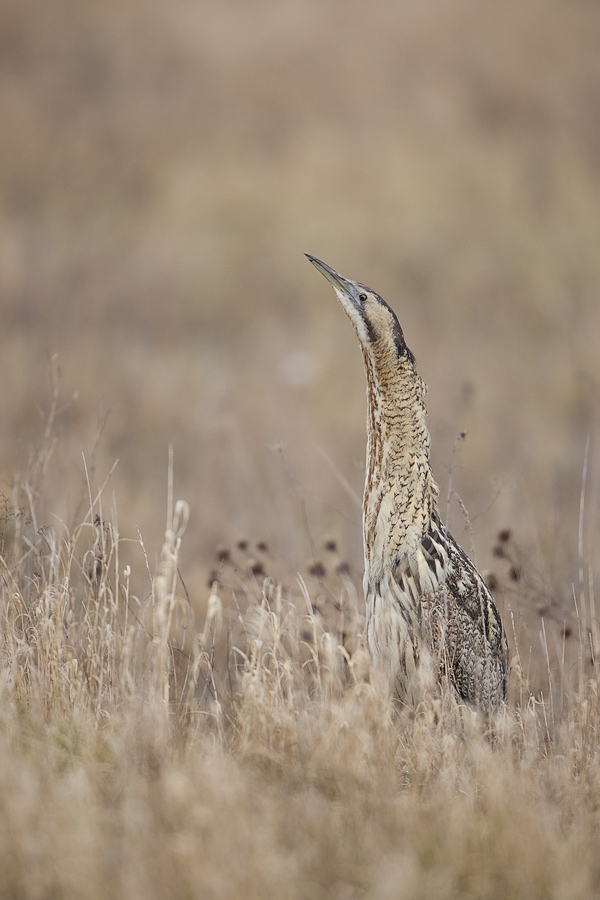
400,492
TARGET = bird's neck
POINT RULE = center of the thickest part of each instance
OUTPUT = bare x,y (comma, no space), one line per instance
400,492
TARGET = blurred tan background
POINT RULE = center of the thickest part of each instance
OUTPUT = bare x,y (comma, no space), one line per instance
164,166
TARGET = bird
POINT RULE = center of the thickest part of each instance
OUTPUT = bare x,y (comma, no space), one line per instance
430,618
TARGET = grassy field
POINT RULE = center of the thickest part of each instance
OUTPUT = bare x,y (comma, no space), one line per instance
185,704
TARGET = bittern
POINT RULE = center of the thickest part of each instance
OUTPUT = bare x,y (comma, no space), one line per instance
430,618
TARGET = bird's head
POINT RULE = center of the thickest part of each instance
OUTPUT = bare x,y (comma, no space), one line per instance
375,323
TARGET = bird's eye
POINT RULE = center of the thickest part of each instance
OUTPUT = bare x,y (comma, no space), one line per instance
362,297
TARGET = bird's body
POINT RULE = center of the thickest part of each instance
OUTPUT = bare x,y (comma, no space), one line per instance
430,615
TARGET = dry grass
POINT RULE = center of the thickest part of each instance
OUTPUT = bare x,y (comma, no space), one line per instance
163,167
149,755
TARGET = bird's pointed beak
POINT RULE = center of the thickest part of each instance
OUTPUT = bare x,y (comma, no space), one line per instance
349,289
